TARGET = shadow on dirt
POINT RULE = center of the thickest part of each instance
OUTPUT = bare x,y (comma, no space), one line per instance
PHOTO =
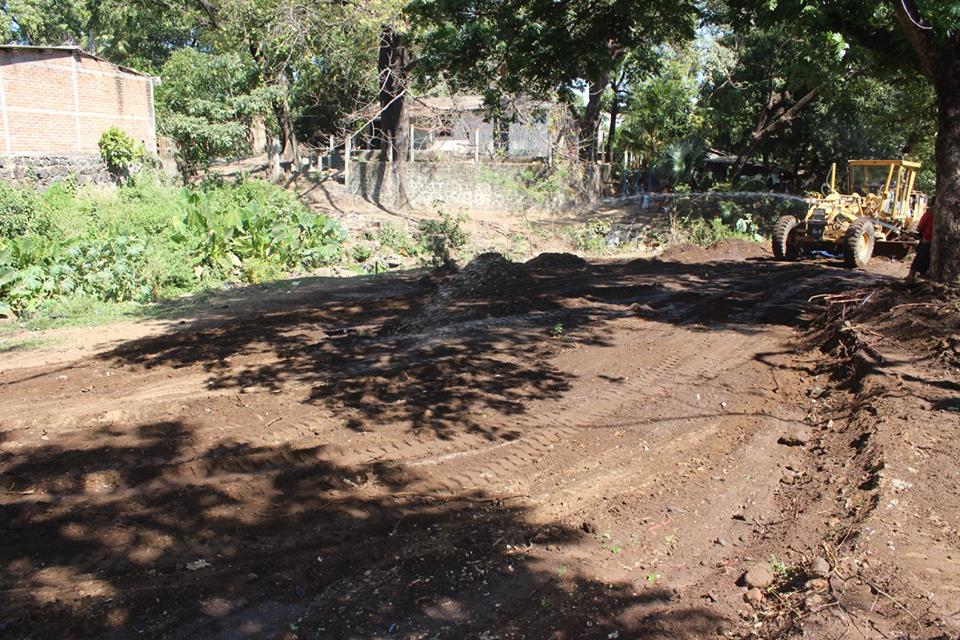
153,539
434,352
139,539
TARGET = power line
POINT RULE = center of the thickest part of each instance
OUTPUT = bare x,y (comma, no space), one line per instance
918,25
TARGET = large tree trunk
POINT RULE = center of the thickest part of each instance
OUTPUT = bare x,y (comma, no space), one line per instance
289,149
939,61
591,115
393,63
945,259
612,134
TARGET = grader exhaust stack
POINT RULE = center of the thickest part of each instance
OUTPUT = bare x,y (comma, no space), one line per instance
877,214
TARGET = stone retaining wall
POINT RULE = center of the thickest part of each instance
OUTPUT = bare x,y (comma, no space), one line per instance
485,186
42,171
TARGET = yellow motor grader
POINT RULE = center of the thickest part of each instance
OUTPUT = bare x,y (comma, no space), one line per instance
878,213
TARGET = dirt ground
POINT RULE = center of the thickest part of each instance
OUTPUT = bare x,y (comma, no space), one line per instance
557,450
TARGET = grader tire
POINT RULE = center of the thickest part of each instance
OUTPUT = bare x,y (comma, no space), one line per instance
858,243
784,246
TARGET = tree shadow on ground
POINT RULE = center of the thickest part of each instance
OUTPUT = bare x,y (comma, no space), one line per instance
412,352
125,531
131,529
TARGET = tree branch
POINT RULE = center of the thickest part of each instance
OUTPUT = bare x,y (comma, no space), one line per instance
923,45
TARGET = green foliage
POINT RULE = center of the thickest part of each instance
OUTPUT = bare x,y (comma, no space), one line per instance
19,211
122,247
33,270
591,237
662,106
538,186
255,222
206,103
398,240
119,151
510,47
361,253
441,239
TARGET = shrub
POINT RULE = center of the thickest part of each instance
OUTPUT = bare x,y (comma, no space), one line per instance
119,151
121,246
254,221
591,236
398,240
20,211
441,239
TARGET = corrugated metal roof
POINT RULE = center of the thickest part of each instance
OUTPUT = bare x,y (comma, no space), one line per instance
75,50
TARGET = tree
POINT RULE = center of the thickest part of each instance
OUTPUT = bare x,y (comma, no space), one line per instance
923,37
137,33
393,65
206,104
543,48
661,107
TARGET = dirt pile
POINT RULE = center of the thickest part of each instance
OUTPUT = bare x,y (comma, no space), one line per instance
488,286
723,250
920,316
878,492
556,263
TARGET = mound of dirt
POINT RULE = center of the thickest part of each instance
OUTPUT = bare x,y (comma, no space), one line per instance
556,262
728,249
489,275
489,278
921,316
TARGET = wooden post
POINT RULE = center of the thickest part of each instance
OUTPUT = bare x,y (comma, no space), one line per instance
476,145
347,144
411,135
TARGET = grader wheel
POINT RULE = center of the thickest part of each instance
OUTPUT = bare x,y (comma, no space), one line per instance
858,243
785,245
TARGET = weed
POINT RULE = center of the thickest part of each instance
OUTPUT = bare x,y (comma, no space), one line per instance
591,237
441,239
398,240
19,211
361,253
536,187
557,331
780,568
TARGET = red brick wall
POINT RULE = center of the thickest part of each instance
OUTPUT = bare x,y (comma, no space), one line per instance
57,103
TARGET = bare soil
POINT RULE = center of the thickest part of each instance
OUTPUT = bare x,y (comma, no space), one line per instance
557,449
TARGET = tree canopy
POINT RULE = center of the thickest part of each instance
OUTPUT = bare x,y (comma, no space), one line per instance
796,84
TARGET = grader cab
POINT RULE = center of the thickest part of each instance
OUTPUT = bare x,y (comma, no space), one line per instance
877,213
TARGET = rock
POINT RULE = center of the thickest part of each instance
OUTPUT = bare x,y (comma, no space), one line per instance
722,542
795,437
759,576
754,597
813,601
819,568
817,584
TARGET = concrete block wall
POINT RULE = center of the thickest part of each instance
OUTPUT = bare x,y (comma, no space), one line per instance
479,186
57,103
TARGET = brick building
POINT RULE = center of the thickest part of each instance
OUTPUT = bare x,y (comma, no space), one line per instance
55,102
